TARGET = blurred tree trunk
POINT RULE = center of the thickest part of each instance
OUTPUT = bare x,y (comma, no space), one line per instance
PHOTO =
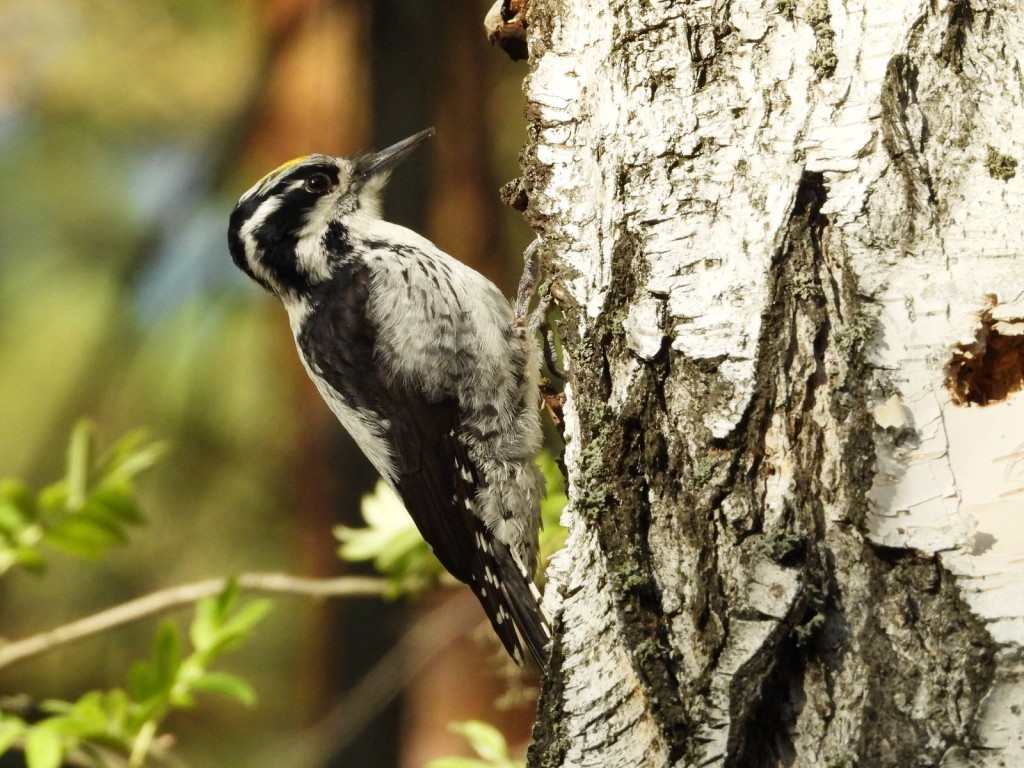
796,509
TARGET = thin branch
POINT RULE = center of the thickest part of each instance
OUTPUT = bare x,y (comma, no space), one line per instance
176,597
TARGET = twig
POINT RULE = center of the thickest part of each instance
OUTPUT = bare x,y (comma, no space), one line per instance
176,597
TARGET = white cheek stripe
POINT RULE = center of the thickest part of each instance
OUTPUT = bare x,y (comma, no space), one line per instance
310,253
248,235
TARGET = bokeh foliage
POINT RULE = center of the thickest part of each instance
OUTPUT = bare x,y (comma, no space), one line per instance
118,300
126,133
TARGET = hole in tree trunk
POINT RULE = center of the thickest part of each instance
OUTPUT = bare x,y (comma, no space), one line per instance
991,368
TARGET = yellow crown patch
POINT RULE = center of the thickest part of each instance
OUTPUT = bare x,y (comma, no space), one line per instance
281,169
262,185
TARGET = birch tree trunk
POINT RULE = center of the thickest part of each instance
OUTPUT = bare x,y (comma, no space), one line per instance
786,237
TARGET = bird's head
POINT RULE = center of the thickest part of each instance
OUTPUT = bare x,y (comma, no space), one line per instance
290,228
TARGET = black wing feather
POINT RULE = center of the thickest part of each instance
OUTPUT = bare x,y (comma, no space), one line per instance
436,478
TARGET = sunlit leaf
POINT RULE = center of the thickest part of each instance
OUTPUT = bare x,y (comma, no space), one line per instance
143,681
11,730
43,748
90,713
30,559
12,521
247,617
117,707
225,684
54,498
552,534
80,456
484,738
56,706
85,536
210,615
17,507
390,539
226,601
118,500
203,629
486,741
217,628
166,653
130,456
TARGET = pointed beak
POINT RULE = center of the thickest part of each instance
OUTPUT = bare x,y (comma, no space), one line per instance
385,161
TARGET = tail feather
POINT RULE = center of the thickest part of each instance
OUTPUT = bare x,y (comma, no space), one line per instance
509,598
524,603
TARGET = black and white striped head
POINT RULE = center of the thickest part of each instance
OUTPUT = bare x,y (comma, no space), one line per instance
291,227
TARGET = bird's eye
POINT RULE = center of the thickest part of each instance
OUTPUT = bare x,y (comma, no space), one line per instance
318,183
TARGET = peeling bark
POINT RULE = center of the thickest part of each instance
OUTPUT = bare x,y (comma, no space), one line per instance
768,227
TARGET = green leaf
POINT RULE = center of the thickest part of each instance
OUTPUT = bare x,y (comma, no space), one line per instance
392,541
17,508
144,682
80,456
12,522
56,706
43,748
484,738
203,629
166,653
28,558
226,601
90,709
11,729
17,495
54,498
85,536
215,630
129,456
360,544
181,698
67,727
117,499
142,713
247,617
211,613
116,706
225,684
86,512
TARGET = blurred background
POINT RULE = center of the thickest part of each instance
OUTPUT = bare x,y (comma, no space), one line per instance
128,128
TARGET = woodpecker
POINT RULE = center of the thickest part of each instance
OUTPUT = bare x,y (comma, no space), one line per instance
422,360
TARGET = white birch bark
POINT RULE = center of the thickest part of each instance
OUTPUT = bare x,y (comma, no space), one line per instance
768,225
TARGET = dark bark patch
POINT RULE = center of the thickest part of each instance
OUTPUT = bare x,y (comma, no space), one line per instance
514,194
921,638
904,134
794,323
638,458
625,455
549,741
961,21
